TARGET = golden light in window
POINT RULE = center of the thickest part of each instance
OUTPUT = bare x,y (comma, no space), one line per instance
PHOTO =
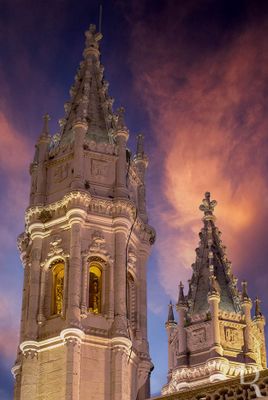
94,298
57,288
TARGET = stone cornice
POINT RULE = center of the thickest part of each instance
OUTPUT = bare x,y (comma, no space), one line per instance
52,213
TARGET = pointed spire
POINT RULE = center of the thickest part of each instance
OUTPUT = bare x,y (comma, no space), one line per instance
89,100
170,313
258,307
244,293
212,270
181,299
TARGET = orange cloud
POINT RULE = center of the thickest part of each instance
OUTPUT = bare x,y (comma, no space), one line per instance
211,124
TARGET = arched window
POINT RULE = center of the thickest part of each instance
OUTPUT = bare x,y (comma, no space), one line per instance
95,287
57,288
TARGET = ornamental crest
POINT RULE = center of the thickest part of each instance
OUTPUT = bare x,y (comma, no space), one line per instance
55,247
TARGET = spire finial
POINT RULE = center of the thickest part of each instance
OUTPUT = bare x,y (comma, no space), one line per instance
208,206
257,307
92,41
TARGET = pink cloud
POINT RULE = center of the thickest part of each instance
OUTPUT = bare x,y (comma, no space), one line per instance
211,124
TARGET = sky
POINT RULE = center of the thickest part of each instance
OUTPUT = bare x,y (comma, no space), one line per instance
193,77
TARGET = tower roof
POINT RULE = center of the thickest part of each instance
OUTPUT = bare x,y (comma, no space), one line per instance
212,269
89,99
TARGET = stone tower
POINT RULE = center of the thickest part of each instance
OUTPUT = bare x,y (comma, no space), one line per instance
216,338
84,250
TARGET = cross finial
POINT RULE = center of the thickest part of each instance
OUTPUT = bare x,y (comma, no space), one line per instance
207,205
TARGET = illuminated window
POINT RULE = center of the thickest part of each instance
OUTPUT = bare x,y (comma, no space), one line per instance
94,298
57,288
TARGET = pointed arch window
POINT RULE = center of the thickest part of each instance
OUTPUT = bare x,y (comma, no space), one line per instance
95,288
57,288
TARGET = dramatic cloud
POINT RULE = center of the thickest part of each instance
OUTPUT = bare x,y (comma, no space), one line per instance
209,114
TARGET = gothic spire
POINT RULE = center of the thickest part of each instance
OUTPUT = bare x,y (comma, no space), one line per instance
170,313
212,269
181,298
89,100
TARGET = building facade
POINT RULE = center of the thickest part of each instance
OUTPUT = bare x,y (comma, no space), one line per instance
216,338
85,247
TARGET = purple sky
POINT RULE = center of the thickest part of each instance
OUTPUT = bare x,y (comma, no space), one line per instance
193,77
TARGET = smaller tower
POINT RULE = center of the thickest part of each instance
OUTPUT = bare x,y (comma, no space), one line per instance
216,337
171,325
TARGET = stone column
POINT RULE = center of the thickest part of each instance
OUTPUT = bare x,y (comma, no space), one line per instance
79,129
41,317
246,307
34,286
111,290
75,269
213,300
121,376
259,320
24,306
182,337
84,286
73,343
143,256
120,321
30,372
121,167
170,328
16,371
